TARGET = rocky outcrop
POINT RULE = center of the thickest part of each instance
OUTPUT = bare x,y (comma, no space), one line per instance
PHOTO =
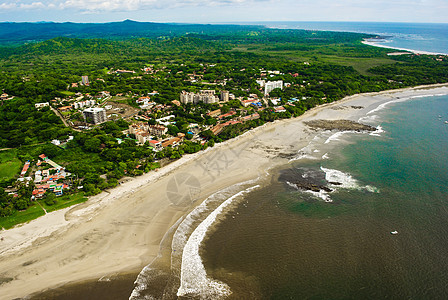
340,125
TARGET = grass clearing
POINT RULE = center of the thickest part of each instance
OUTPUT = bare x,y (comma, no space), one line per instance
362,65
335,55
10,165
64,201
35,211
19,217
67,93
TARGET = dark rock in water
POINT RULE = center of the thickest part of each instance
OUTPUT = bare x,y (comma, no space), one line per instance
341,125
306,179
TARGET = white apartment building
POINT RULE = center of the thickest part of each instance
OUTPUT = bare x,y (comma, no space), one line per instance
271,85
190,97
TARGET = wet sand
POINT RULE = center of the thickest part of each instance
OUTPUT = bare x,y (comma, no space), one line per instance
120,231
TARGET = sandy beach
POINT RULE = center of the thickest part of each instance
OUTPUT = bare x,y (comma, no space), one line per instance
371,42
121,230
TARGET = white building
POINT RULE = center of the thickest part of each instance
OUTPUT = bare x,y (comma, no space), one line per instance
271,85
95,115
165,121
85,80
40,105
224,96
261,82
81,104
205,97
158,130
143,137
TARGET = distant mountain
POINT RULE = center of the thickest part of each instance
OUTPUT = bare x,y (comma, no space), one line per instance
18,33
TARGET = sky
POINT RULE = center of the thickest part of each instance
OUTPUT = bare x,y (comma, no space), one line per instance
224,11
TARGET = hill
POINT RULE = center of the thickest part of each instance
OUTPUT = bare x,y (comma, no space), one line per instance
18,33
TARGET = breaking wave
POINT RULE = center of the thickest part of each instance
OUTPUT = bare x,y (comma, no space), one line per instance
194,279
339,179
336,136
342,179
378,131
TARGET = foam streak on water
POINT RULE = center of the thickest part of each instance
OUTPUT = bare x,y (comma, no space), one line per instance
336,136
194,279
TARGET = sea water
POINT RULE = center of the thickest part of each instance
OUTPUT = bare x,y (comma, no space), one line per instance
428,37
284,243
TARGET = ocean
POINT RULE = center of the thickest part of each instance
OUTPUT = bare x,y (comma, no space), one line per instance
283,243
428,37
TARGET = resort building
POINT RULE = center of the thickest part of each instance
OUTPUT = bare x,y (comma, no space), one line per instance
224,96
271,85
156,144
95,115
40,105
158,130
85,80
139,127
143,137
206,96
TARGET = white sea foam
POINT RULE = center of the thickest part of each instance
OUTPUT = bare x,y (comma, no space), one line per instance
378,131
383,105
397,100
141,282
372,189
321,194
305,153
335,136
292,184
345,180
194,279
183,227
325,156
368,119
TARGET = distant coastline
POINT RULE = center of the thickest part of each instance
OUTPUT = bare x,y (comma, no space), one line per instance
418,38
370,42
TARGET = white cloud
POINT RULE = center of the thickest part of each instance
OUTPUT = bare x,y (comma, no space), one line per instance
8,6
120,5
22,5
33,5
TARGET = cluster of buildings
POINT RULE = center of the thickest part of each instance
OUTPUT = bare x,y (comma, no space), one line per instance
42,104
46,178
82,104
204,96
144,132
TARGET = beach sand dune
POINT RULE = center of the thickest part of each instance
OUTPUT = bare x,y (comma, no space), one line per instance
120,230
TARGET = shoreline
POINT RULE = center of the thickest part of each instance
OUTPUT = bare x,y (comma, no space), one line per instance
121,230
369,42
